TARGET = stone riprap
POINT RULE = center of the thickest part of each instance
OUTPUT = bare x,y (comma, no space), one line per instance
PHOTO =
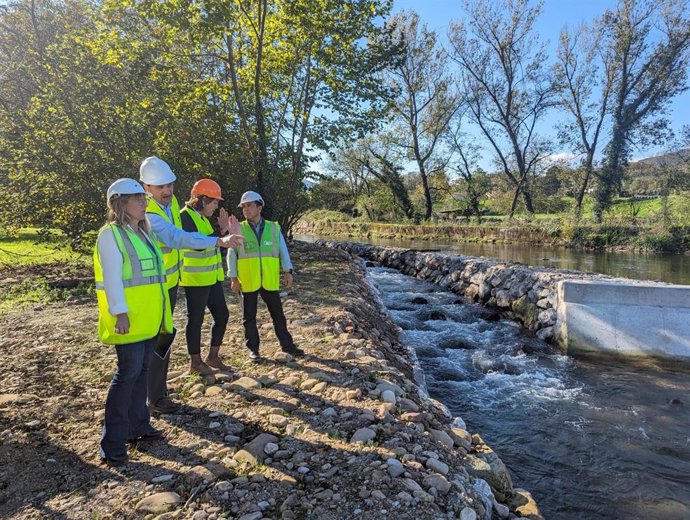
526,293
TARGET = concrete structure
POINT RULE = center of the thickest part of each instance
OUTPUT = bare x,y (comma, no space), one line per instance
580,312
627,319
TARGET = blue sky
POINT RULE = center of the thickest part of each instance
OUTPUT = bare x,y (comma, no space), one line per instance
555,15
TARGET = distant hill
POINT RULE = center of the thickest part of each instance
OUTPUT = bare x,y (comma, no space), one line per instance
665,160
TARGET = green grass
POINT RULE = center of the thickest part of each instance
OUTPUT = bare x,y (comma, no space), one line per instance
29,247
28,258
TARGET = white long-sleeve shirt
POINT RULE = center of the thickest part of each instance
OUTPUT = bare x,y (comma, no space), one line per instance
174,237
111,264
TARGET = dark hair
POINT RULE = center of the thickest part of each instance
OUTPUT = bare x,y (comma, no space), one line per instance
198,201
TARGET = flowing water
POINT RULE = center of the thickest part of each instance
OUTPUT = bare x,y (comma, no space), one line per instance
671,268
591,439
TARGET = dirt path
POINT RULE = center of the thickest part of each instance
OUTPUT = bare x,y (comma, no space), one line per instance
281,442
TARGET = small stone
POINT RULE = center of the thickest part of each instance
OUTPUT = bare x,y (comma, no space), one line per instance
278,420
245,383
158,503
252,516
395,468
388,396
363,435
271,448
468,514
214,390
162,478
437,466
438,482
442,437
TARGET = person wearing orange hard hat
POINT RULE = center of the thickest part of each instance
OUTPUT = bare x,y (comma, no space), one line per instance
202,274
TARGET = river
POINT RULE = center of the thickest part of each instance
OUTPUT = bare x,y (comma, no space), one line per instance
591,440
671,268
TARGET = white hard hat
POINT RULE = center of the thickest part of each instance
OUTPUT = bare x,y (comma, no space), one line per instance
250,196
124,187
156,172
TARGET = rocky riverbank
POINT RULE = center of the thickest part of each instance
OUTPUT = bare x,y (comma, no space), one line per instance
345,432
527,294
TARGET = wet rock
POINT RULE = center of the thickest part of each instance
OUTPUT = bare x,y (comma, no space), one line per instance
524,505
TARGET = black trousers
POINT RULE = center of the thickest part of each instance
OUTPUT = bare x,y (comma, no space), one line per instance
198,298
158,368
275,308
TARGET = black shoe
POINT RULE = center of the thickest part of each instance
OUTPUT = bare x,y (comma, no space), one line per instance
114,463
151,435
163,406
293,351
254,355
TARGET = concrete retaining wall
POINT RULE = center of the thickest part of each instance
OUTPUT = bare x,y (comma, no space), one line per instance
577,311
624,319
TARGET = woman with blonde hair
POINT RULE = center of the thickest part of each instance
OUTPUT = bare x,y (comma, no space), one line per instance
133,308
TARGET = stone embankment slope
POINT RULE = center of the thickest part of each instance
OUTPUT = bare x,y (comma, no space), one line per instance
344,433
528,294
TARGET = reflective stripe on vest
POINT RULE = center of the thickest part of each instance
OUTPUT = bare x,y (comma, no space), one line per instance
171,257
258,262
201,267
146,294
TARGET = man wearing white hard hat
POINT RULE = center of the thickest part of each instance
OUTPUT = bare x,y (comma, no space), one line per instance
133,309
254,268
163,212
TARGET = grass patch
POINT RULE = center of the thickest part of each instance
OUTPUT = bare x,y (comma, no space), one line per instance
31,247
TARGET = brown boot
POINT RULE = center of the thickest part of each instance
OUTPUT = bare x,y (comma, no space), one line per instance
214,361
199,367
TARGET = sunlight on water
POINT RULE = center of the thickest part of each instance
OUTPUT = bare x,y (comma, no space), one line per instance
590,439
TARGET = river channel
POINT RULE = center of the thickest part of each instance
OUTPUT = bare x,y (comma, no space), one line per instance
671,268
592,440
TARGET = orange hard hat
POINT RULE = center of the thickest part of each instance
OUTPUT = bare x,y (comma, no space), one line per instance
207,187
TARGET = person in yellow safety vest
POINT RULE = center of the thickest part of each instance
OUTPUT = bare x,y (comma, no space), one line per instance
133,307
163,212
254,269
202,277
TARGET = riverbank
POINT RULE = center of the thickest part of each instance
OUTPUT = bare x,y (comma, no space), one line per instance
346,432
553,233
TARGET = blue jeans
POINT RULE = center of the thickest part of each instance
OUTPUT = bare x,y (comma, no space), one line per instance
126,413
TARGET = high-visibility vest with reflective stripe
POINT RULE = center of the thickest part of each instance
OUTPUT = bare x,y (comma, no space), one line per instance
146,294
205,266
171,257
258,262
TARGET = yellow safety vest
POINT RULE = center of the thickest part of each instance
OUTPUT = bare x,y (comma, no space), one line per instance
171,257
146,294
258,265
201,267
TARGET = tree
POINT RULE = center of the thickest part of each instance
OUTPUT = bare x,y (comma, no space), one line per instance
647,44
373,158
422,99
295,75
585,84
508,88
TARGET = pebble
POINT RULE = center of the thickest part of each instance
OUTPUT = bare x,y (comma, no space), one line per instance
395,468
162,478
363,435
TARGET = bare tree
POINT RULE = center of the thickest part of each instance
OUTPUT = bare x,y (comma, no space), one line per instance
422,97
507,84
647,43
585,83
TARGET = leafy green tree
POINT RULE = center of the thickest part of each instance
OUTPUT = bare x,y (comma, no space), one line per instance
647,44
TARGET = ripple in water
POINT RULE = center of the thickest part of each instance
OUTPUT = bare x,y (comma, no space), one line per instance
590,439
